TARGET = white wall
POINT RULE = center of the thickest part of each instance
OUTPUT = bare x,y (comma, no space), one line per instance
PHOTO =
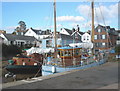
30,32
5,39
86,37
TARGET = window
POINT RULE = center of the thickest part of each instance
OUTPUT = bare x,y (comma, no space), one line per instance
103,36
18,43
87,37
11,42
96,44
99,30
103,44
95,36
49,43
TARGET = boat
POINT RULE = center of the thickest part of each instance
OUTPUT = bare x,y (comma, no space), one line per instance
23,64
70,57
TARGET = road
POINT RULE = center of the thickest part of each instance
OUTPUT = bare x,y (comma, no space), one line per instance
92,78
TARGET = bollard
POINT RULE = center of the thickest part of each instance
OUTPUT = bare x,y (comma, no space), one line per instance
53,69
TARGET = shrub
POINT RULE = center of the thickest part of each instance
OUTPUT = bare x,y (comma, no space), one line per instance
10,50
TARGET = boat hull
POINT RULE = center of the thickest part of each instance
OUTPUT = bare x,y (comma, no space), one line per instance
47,70
24,69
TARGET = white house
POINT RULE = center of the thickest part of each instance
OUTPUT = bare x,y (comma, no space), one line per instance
38,34
62,40
86,37
19,40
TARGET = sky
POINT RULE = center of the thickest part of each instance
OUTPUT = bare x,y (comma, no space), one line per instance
39,15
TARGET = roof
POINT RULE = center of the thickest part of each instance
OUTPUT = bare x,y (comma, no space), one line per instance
81,33
110,31
41,32
66,37
12,37
68,30
118,31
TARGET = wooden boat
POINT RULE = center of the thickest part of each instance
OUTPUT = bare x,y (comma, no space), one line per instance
69,56
21,64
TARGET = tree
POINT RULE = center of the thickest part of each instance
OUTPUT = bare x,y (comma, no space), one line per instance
22,25
20,30
10,50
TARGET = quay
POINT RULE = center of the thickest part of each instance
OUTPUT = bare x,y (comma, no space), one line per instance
101,77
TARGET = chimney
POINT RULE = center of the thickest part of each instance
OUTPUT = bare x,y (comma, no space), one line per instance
78,28
73,30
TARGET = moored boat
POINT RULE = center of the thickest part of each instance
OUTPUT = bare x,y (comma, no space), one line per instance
22,64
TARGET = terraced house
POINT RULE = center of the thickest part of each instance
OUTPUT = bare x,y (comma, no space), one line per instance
104,37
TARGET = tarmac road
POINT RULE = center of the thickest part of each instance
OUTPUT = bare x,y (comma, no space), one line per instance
92,78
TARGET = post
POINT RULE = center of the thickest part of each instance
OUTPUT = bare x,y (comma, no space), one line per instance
55,37
92,35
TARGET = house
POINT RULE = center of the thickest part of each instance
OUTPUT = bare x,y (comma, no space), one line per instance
62,40
74,33
104,37
86,37
1,40
18,40
38,34
46,42
77,34
118,38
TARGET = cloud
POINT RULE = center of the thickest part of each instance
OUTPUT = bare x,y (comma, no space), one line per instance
70,18
52,26
9,29
101,12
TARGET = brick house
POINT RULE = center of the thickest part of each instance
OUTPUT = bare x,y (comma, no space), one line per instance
118,38
104,37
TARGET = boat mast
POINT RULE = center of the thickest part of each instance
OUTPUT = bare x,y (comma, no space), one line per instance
55,37
92,37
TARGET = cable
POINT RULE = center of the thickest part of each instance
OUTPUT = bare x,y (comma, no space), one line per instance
105,25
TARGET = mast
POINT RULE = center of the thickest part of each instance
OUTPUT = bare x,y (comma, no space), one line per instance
55,37
92,37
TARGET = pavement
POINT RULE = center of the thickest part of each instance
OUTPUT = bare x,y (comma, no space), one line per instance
101,77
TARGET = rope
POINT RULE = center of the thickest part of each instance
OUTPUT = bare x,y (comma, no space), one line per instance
104,24
38,72
39,68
